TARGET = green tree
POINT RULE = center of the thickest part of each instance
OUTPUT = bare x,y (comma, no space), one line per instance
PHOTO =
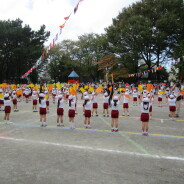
20,47
149,30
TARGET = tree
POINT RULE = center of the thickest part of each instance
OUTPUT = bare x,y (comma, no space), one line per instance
20,47
147,30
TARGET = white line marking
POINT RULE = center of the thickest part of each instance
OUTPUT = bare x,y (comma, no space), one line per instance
96,149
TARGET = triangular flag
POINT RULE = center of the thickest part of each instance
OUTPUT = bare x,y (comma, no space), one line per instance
62,26
76,8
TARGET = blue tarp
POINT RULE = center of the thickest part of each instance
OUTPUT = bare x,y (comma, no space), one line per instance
73,74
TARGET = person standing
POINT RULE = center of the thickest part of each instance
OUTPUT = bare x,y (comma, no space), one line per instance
43,111
7,109
115,113
145,115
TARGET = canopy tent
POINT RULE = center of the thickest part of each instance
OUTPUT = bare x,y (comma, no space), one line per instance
73,75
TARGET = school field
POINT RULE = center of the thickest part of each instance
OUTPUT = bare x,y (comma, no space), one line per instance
30,154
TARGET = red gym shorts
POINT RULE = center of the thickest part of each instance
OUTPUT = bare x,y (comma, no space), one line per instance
60,111
125,105
105,105
43,111
95,105
172,108
114,114
71,113
35,102
135,99
7,109
159,99
144,117
87,113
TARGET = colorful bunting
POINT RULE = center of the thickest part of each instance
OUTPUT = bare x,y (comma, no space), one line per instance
51,45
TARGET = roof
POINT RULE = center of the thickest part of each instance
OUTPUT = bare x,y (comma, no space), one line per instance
73,74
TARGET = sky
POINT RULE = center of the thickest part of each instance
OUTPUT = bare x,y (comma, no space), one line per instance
92,15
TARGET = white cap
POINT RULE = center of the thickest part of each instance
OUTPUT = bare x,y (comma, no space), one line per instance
70,97
126,93
60,96
41,95
85,93
6,95
148,95
135,90
34,92
105,94
171,96
144,91
115,98
86,98
146,100
93,93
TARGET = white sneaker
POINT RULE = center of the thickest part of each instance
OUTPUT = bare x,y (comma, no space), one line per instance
89,126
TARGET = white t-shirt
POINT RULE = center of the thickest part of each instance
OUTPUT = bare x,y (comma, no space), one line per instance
172,102
135,94
88,106
61,103
113,107
14,96
94,99
125,99
54,92
34,97
72,107
106,99
7,103
145,107
43,103
26,92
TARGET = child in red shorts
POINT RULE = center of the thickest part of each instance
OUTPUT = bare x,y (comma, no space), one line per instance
172,106
7,109
115,113
145,115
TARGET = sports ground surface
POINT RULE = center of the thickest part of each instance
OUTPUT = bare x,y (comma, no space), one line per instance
31,154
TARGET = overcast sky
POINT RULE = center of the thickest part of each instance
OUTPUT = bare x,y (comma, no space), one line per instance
92,15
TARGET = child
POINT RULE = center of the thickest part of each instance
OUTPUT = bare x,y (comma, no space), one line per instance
27,95
60,110
14,99
151,97
115,113
7,108
160,98
35,101
145,115
106,104
43,112
135,96
54,92
47,100
167,91
172,106
1,99
95,104
87,111
71,111
125,104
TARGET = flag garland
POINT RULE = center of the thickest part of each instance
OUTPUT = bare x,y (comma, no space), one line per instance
139,74
51,45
